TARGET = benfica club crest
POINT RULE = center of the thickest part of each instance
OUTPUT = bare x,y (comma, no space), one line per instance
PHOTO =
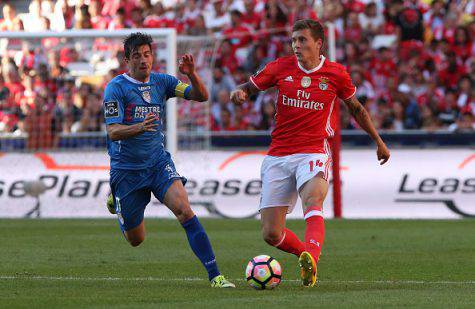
146,96
306,81
323,85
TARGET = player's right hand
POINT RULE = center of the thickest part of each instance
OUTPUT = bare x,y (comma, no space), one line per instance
383,153
149,124
238,96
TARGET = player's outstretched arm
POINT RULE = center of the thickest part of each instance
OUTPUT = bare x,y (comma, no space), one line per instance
198,90
362,117
119,131
243,92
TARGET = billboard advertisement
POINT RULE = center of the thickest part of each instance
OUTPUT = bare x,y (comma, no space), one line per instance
429,183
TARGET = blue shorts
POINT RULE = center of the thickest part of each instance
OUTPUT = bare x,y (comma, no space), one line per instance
131,190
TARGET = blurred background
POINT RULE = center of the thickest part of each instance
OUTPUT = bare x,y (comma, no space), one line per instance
412,61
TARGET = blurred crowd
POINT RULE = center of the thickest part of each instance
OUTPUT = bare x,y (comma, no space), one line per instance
412,61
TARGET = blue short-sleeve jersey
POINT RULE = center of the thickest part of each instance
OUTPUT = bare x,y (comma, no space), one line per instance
127,101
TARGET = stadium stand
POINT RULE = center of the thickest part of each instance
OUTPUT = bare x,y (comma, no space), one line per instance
413,61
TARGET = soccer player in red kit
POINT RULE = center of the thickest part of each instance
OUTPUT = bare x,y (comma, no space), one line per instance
299,160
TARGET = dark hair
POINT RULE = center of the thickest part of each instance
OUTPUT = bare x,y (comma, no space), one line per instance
316,29
236,12
134,40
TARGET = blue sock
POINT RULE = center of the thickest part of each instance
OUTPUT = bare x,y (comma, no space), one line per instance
201,246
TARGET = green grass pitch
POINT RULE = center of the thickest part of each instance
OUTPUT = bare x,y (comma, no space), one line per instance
365,263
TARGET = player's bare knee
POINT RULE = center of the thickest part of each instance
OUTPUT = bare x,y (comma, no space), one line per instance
135,242
184,213
310,201
272,237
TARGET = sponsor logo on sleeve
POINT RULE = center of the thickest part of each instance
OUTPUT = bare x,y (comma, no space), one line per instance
111,109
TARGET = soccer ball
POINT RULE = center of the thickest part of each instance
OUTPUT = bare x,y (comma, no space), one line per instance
263,272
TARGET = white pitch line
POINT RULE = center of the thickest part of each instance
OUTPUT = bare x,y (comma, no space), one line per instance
201,279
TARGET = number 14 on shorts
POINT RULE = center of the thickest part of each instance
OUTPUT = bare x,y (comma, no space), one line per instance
315,163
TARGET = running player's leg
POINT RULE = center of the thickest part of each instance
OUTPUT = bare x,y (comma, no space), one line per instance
130,211
131,198
278,198
136,235
313,194
169,189
312,184
276,234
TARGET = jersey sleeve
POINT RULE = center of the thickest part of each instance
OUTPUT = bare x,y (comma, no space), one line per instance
176,88
346,89
113,104
265,78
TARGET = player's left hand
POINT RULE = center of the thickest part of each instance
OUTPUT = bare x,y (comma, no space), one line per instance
186,65
382,153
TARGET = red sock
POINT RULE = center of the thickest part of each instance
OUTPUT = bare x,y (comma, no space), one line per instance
290,243
315,231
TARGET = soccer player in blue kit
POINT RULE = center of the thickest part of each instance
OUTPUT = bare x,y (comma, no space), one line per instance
133,110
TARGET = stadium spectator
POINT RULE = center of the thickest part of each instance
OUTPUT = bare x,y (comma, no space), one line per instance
91,118
12,80
177,19
364,89
226,123
9,112
97,19
216,16
62,17
192,11
238,34
241,120
465,86
136,18
112,8
227,56
38,124
353,29
199,27
9,16
66,114
296,10
157,19
399,117
464,123
371,20
83,18
250,16
146,7
274,16
452,72
32,21
462,45
119,21
223,103
57,71
221,80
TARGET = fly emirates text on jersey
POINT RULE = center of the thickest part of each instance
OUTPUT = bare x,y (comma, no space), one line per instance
302,101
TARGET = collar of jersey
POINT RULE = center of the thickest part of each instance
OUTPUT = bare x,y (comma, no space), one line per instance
133,80
315,69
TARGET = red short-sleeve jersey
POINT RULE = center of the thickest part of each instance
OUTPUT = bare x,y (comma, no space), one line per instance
306,101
